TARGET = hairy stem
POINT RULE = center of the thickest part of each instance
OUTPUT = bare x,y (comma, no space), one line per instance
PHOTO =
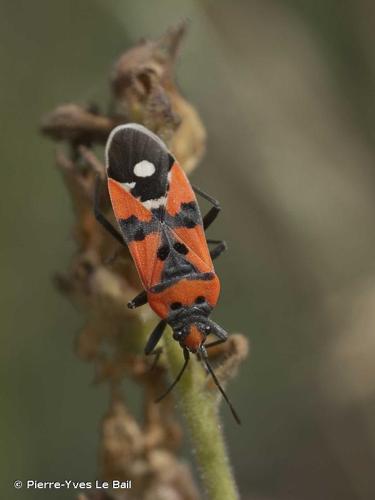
199,408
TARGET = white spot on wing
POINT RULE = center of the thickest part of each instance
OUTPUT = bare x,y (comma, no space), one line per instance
128,185
150,204
144,169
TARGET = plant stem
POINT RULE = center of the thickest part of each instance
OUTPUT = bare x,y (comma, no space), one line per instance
199,407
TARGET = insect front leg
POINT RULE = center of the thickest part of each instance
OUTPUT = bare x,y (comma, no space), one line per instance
223,336
218,332
215,342
151,349
210,344
155,337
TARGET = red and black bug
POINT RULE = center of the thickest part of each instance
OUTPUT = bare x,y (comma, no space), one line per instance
160,222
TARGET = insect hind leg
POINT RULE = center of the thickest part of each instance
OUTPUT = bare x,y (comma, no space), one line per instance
101,218
97,167
220,247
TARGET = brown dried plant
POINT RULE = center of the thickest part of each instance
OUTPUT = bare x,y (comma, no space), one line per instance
101,279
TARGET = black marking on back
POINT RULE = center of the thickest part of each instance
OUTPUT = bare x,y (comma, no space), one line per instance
130,146
172,252
176,266
191,277
163,252
135,230
189,216
181,248
139,235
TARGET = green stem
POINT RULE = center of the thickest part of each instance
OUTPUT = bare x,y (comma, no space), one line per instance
199,407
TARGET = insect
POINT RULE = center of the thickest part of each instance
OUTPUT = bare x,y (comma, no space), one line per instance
160,221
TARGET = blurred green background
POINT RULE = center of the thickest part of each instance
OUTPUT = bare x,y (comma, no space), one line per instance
286,91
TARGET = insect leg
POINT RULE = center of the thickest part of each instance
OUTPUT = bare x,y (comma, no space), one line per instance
215,342
155,337
207,197
100,217
186,357
221,246
213,212
139,300
220,333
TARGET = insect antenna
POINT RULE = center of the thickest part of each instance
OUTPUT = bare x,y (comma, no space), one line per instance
186,356
217,383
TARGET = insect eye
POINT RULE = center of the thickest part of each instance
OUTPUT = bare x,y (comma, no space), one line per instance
176,305
177,335
200,299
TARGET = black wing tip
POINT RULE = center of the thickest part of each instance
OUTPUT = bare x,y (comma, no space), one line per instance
134,128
